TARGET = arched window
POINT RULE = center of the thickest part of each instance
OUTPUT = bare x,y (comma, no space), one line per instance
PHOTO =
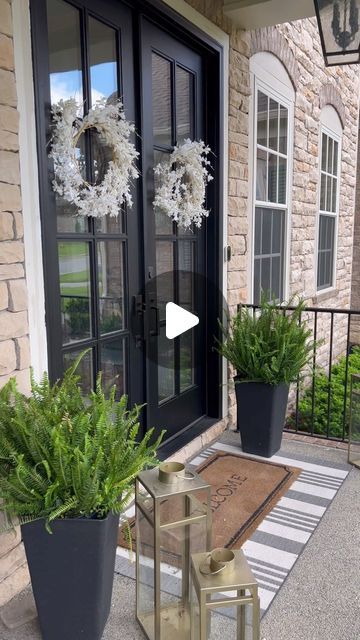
273,114
329,161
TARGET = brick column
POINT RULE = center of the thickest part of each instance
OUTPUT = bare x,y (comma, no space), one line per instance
14,339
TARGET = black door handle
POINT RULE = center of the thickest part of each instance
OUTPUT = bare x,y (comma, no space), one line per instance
154,324
139,308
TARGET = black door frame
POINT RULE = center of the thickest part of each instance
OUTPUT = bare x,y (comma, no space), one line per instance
177,26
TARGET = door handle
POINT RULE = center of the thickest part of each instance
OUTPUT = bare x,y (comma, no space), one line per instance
139,311
154,324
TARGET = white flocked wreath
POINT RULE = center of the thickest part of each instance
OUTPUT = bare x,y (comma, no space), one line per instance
181,180
113,191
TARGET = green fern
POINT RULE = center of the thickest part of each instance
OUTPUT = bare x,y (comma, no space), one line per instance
66,455
271,345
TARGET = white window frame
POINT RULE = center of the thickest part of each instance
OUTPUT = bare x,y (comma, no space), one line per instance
270,76
330,125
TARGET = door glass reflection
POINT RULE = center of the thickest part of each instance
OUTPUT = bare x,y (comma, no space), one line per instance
161,100
111,285
163,224
112,365
186,360
64,52
74,269
103,64
84,370
166,363
164,272
184,105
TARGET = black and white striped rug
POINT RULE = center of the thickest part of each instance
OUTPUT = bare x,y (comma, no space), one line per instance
274,547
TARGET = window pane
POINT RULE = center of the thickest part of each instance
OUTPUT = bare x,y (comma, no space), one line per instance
161,100
74,269
111,224
326,251
283,130
166,363
186,360
111,285
84,370
266,231
336,153
265,277
64,52
261,174
164,272
103,65
334,194
186,268
163,224
275,279
257,281
184,105
324,152
272,178
112,365
258,229
262,116
277,231
65,82
282,181
330,155
328,194
273,124
322,192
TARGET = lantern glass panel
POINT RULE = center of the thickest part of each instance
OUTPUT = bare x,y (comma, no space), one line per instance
339,30
173,521
354,428
145,574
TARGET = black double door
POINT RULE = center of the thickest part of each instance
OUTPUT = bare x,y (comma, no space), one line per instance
108,279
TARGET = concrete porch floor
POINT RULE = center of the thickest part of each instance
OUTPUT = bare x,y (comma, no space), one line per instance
320,599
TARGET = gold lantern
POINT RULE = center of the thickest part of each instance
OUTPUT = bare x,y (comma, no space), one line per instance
354,423
222,579
173,519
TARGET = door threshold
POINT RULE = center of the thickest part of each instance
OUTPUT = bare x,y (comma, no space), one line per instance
192,439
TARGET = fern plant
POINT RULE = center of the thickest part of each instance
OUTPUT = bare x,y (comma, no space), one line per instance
270,345
63,454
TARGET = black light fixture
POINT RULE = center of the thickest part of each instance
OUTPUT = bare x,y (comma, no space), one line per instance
339,28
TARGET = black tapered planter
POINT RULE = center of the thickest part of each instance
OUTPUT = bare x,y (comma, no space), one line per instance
72,572
261,411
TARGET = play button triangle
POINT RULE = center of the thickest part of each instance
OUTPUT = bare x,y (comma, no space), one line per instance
178,320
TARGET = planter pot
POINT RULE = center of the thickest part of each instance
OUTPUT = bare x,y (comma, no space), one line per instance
72,572
261,411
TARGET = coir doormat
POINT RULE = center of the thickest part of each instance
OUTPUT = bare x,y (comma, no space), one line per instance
244,490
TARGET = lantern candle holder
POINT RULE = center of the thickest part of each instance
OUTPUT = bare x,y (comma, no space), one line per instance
354,422
221,579
173,520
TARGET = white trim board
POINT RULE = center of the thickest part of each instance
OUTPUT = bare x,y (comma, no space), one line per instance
30,186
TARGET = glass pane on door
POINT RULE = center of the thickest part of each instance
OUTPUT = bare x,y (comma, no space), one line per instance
75,290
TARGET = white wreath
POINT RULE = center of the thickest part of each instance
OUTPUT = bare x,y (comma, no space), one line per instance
181,183
109,120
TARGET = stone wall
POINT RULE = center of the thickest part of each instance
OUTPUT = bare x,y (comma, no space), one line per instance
14,339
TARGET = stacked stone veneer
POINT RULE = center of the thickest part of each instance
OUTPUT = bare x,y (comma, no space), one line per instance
14,339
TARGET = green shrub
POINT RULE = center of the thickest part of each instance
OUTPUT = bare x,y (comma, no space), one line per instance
271,345
322,389
66,455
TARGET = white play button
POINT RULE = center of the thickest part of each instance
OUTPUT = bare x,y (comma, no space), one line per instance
178,320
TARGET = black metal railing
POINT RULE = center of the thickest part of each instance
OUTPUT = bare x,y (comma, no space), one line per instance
319,401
